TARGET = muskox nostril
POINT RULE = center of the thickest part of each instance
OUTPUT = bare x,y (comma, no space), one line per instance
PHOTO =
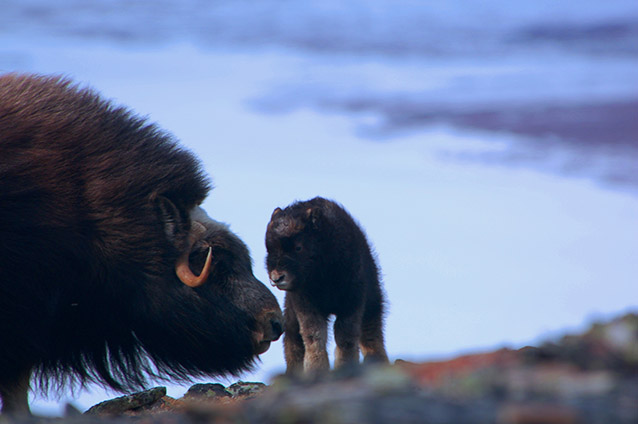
277,329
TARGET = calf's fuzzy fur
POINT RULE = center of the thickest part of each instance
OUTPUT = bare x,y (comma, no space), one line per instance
320,256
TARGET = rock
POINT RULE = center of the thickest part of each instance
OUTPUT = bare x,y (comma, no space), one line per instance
579,378
538,414
245,389
120,405
207,392
610,345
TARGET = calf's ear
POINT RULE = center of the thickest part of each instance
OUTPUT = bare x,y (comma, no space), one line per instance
276,212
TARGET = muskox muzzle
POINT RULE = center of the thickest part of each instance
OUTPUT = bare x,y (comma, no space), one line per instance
270,326
215,260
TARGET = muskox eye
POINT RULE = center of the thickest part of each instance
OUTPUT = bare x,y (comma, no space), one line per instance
298,248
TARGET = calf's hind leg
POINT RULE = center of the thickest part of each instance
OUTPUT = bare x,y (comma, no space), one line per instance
347,333
372,340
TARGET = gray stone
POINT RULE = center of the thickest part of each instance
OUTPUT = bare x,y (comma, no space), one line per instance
123,404
207,391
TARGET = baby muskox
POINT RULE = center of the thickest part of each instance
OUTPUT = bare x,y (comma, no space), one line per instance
321,258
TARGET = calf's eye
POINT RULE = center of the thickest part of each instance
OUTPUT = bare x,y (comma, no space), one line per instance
298,248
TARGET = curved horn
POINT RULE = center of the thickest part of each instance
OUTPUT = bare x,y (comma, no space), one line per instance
182,268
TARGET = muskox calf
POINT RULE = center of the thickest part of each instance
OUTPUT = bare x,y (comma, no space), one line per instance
110,272
321,258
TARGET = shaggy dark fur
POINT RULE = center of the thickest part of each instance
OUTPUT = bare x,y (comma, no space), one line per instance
96,206
320,256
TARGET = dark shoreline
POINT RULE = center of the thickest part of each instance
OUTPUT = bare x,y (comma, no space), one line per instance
596,139
609,126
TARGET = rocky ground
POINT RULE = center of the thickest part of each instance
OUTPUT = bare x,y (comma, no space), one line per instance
584,378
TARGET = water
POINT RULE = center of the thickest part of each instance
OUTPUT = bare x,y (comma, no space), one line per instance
488,148
560,75
380,27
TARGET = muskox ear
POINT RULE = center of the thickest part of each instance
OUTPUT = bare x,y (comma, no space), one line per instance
175,225
276,212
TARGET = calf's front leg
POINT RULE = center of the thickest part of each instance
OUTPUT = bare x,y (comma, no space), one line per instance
293,343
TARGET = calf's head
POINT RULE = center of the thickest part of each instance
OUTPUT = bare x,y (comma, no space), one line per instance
293,243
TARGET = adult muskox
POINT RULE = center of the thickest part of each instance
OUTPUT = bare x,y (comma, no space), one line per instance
99,222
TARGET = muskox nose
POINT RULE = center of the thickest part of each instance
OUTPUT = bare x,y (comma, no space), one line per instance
277,328
273,326
270,329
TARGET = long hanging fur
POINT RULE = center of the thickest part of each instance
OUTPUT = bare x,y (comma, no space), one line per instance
88,291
